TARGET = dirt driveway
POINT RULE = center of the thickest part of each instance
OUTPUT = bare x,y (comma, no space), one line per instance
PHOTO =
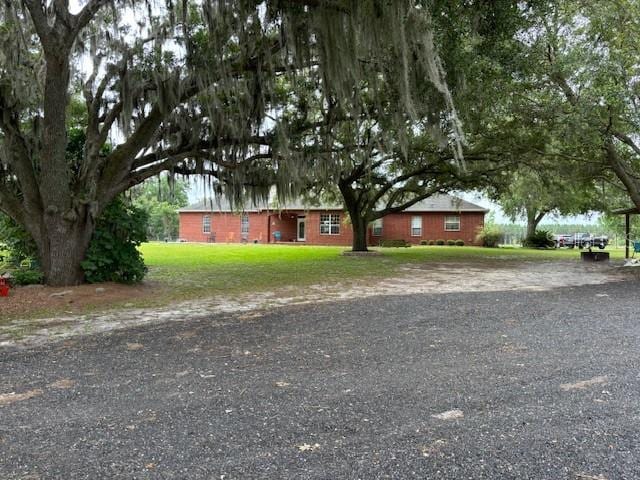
513,378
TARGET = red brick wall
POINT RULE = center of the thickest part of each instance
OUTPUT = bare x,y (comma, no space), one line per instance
398,226
226,227
313,229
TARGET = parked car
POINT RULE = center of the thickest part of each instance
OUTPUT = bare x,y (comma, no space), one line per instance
581,240
561,240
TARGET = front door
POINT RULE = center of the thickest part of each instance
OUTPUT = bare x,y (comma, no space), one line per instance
302,229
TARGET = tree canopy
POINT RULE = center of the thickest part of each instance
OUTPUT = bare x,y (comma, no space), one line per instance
583,59
186,87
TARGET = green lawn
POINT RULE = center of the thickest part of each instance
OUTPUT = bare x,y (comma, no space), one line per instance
189,271
195,270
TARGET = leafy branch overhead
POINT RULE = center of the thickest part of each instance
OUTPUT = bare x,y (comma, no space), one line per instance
186,87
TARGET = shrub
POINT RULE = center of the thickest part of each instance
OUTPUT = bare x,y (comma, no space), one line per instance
440,242
451,243
432,242
394,243
539,239
460,243
424,242
17,244
26,276
489,236
113,254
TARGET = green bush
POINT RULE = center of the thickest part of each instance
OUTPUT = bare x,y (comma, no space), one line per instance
26,276
489,236
113,254
440,242
539,239
451,243
17,244
394,243
460,243
432,242
424,242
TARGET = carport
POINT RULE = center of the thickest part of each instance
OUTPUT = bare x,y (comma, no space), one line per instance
627,212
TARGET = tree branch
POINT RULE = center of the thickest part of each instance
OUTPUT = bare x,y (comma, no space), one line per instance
83,18
173,163
399,208
626,140
10,205
19,157
558,78
39,19
617,165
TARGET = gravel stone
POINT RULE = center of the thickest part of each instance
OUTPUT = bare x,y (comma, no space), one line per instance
547,380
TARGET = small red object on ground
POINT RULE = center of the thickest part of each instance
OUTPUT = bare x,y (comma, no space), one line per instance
4,287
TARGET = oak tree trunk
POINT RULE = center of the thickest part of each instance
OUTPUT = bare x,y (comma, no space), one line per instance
64,228
359,221
359,243
533,220
62,246
64,254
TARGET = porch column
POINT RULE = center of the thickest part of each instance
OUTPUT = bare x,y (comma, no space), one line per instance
627,234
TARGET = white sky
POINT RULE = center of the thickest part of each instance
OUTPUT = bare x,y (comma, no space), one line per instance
480,199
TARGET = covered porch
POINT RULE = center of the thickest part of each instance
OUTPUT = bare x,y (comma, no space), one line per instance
627,212
288,227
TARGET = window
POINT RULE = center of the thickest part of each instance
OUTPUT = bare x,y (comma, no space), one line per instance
377,227
244,224
452,223
206,224
416,226
329,224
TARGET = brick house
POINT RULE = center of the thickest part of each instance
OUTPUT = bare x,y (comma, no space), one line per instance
439,217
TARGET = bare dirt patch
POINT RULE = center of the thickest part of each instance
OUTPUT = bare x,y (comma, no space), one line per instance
25,302
449,415
62,384
584,384
426,279
12,397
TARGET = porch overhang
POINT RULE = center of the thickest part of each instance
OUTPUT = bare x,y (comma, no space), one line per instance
627,212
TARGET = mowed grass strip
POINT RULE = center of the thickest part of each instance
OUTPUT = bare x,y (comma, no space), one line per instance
193,270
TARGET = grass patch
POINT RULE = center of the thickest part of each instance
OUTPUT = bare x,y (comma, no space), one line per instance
190,271
193,270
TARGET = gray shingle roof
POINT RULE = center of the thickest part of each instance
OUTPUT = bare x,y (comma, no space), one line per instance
436,203
445,203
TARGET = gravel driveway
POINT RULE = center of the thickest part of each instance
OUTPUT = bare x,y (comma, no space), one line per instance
480,385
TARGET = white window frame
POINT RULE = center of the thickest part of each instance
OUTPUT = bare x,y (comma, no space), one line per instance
416,225
376,227
244,224
329,224
450,225
206,224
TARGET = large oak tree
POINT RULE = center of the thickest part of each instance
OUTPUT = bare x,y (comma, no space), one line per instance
180,86
583,61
